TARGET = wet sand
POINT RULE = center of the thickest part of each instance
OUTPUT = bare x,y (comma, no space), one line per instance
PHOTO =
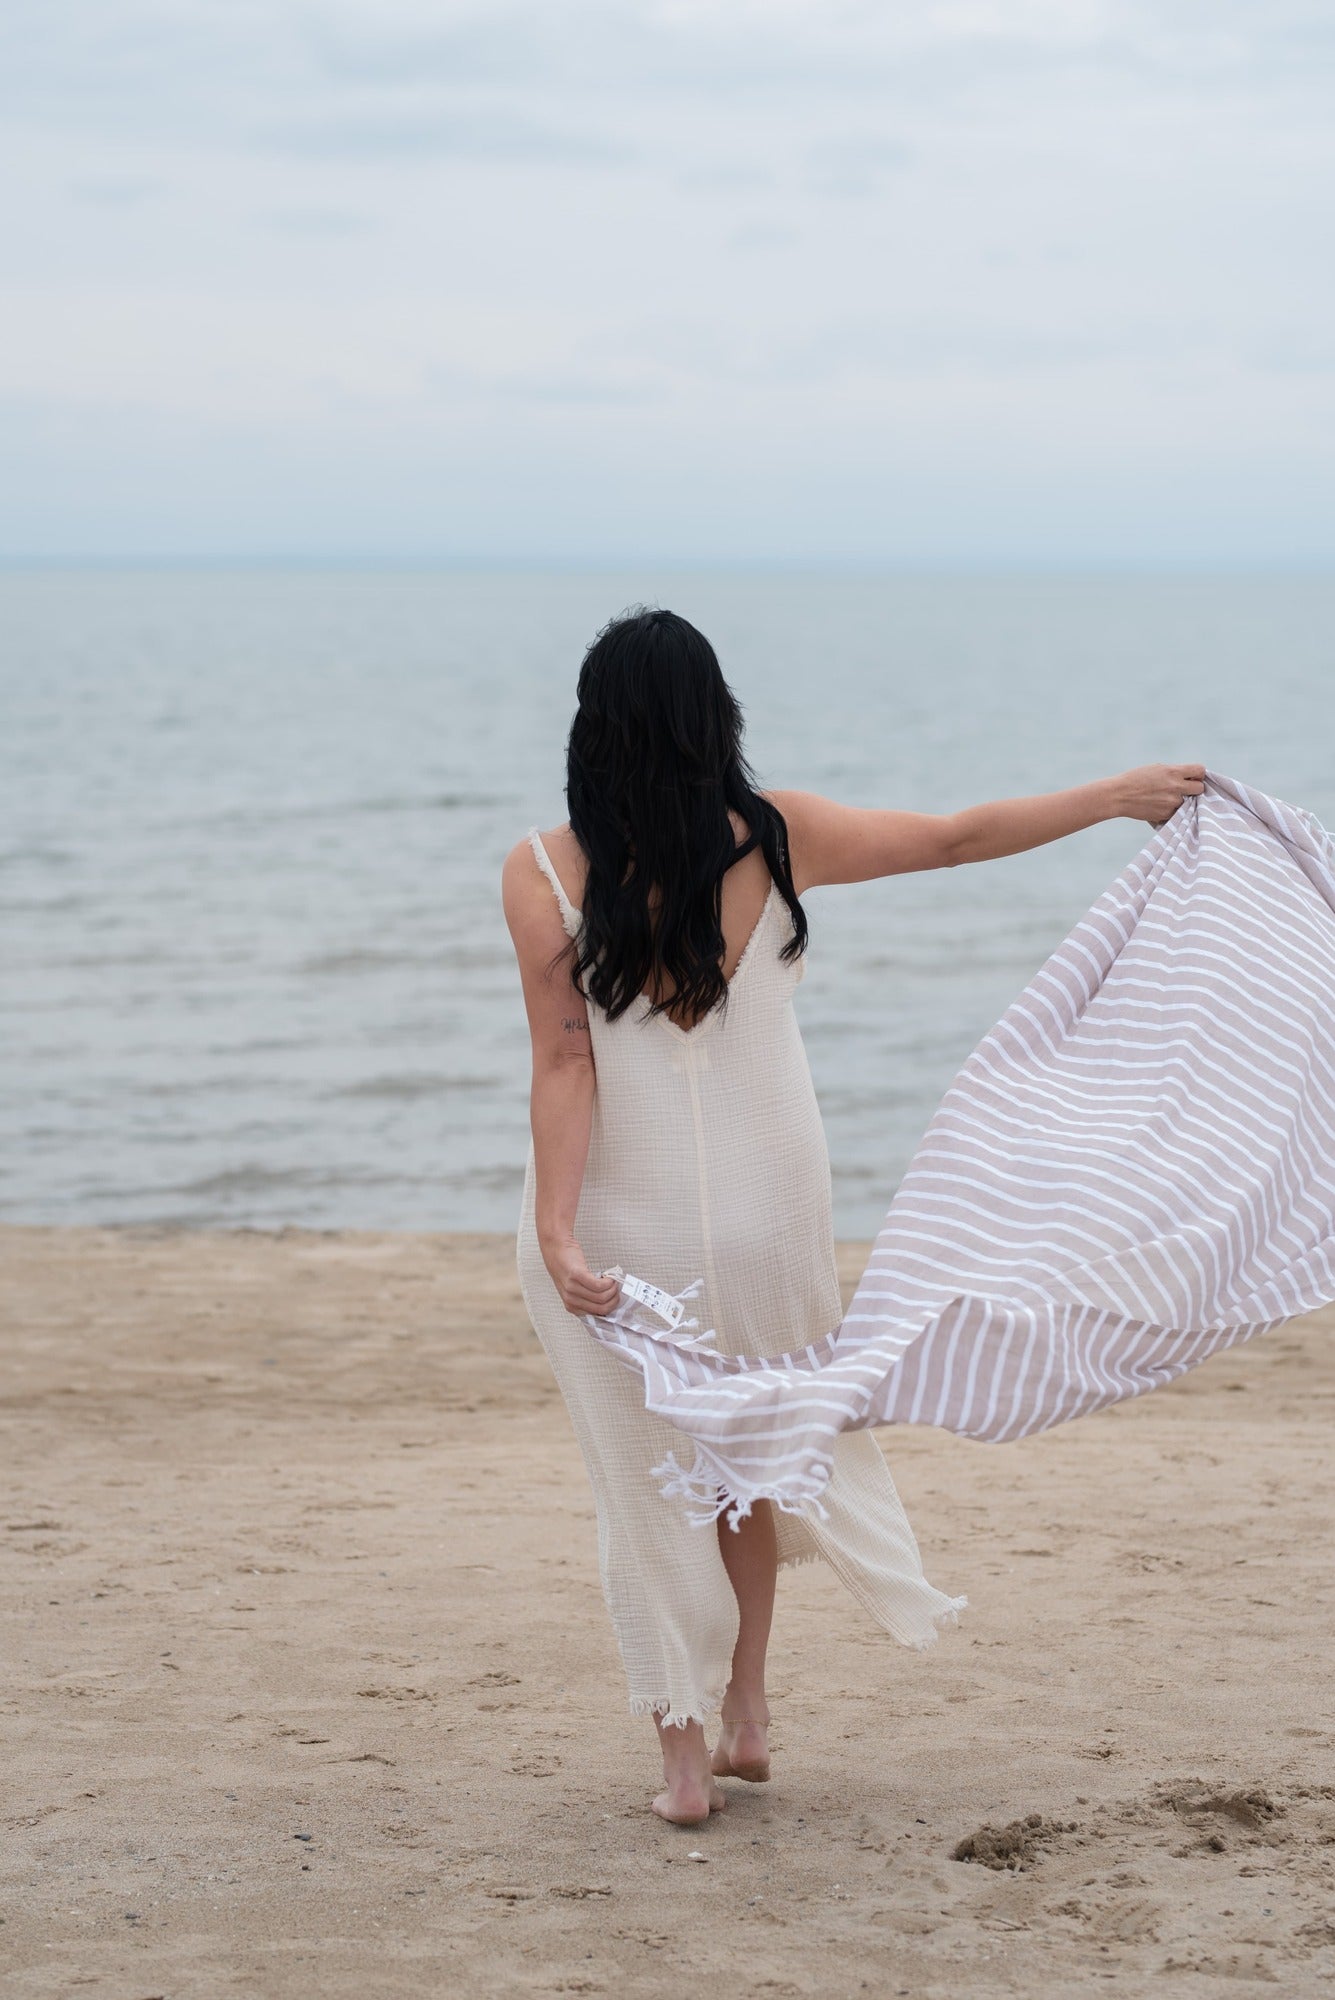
310,1690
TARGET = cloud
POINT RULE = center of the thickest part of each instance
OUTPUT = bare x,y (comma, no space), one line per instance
443,131
579,391
332,222
580,243
115,190
756,236
855,164
202,69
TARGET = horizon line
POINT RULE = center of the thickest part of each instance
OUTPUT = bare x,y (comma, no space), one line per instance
365,563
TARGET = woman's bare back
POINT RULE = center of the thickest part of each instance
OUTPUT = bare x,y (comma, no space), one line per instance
746,888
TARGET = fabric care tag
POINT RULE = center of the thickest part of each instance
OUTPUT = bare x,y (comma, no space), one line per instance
662,1304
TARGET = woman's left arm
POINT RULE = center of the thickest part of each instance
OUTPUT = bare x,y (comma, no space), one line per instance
561,1093
829,842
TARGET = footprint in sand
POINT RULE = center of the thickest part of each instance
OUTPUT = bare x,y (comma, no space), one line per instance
1226,1965
395,1694
1133,1921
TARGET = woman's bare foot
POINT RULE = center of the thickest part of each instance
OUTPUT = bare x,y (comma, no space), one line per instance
691,1794
742,1750
690,1805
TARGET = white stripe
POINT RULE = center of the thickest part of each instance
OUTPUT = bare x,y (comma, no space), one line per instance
1134,1169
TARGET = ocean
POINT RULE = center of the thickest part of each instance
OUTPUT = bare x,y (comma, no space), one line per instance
255,970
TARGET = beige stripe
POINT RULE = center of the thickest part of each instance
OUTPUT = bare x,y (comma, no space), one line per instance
1133,1170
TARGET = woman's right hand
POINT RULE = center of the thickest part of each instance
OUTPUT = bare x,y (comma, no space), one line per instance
581,1290
1155,791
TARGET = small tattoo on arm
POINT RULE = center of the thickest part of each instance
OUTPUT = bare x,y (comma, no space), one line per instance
573,1026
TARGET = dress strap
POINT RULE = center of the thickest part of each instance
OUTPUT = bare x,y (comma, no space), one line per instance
569,914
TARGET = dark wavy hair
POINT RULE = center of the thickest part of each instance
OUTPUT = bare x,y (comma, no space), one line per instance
654,765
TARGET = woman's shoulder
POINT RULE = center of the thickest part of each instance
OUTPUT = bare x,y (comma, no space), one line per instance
553,840
792,805
795,809
558,849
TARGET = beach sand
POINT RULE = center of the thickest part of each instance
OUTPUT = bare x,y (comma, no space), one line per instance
310,1689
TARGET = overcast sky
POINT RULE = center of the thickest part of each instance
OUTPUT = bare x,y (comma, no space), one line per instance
897,283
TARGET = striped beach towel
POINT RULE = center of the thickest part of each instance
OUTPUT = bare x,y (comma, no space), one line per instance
1134,1170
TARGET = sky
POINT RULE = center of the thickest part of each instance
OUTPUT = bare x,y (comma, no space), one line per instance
1046,283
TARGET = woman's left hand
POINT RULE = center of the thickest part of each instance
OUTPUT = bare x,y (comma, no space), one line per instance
1155,791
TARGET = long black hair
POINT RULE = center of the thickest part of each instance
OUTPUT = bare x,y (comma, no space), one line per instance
654,766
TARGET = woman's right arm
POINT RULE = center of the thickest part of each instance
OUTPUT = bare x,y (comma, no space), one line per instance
561,1095
836,843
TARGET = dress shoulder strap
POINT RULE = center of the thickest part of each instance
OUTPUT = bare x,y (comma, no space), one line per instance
570,916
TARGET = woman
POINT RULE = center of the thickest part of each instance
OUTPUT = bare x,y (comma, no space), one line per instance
676,1134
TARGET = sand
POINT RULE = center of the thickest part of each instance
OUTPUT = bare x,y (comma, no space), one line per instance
310,1690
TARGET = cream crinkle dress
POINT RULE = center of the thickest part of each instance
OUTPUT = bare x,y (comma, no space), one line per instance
707,1160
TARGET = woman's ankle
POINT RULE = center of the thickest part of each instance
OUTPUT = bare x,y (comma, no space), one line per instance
745,1705
682,1746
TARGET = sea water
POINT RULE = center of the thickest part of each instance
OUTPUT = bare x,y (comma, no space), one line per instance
252,824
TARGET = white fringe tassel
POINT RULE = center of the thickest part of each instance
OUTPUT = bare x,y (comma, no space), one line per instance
710,1494
702,1711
